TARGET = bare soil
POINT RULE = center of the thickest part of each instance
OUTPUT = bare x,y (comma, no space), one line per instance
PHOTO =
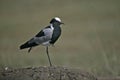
45,73
108,78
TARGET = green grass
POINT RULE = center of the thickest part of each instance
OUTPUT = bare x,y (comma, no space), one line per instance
90,37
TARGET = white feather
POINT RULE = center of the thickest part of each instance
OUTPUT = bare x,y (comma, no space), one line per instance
58,19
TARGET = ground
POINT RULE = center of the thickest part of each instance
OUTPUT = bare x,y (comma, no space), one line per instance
44,73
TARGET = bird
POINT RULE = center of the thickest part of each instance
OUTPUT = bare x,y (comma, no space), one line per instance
46,37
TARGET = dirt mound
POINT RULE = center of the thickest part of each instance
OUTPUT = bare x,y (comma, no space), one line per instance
44,73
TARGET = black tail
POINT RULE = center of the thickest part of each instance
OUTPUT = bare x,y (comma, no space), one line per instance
28,45
23,46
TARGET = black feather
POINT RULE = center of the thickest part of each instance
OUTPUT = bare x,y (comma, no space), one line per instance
56,34
28,45
41,33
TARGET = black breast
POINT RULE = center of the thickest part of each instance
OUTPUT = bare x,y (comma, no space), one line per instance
56,34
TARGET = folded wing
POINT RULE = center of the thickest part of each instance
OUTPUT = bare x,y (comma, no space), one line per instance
43,36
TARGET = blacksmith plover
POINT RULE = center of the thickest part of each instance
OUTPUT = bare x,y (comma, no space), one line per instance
46,37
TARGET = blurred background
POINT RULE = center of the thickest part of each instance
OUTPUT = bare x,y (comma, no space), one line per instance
90,38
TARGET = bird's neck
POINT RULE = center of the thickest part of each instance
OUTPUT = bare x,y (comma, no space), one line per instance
55,25
52,27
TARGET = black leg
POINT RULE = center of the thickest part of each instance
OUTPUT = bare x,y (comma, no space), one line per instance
29,49
48,56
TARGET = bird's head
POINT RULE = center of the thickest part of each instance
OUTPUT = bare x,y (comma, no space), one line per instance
56,20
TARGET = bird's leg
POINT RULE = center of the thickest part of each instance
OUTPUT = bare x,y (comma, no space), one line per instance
29,49
48,56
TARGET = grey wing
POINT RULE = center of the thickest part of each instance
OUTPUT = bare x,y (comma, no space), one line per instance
41,39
